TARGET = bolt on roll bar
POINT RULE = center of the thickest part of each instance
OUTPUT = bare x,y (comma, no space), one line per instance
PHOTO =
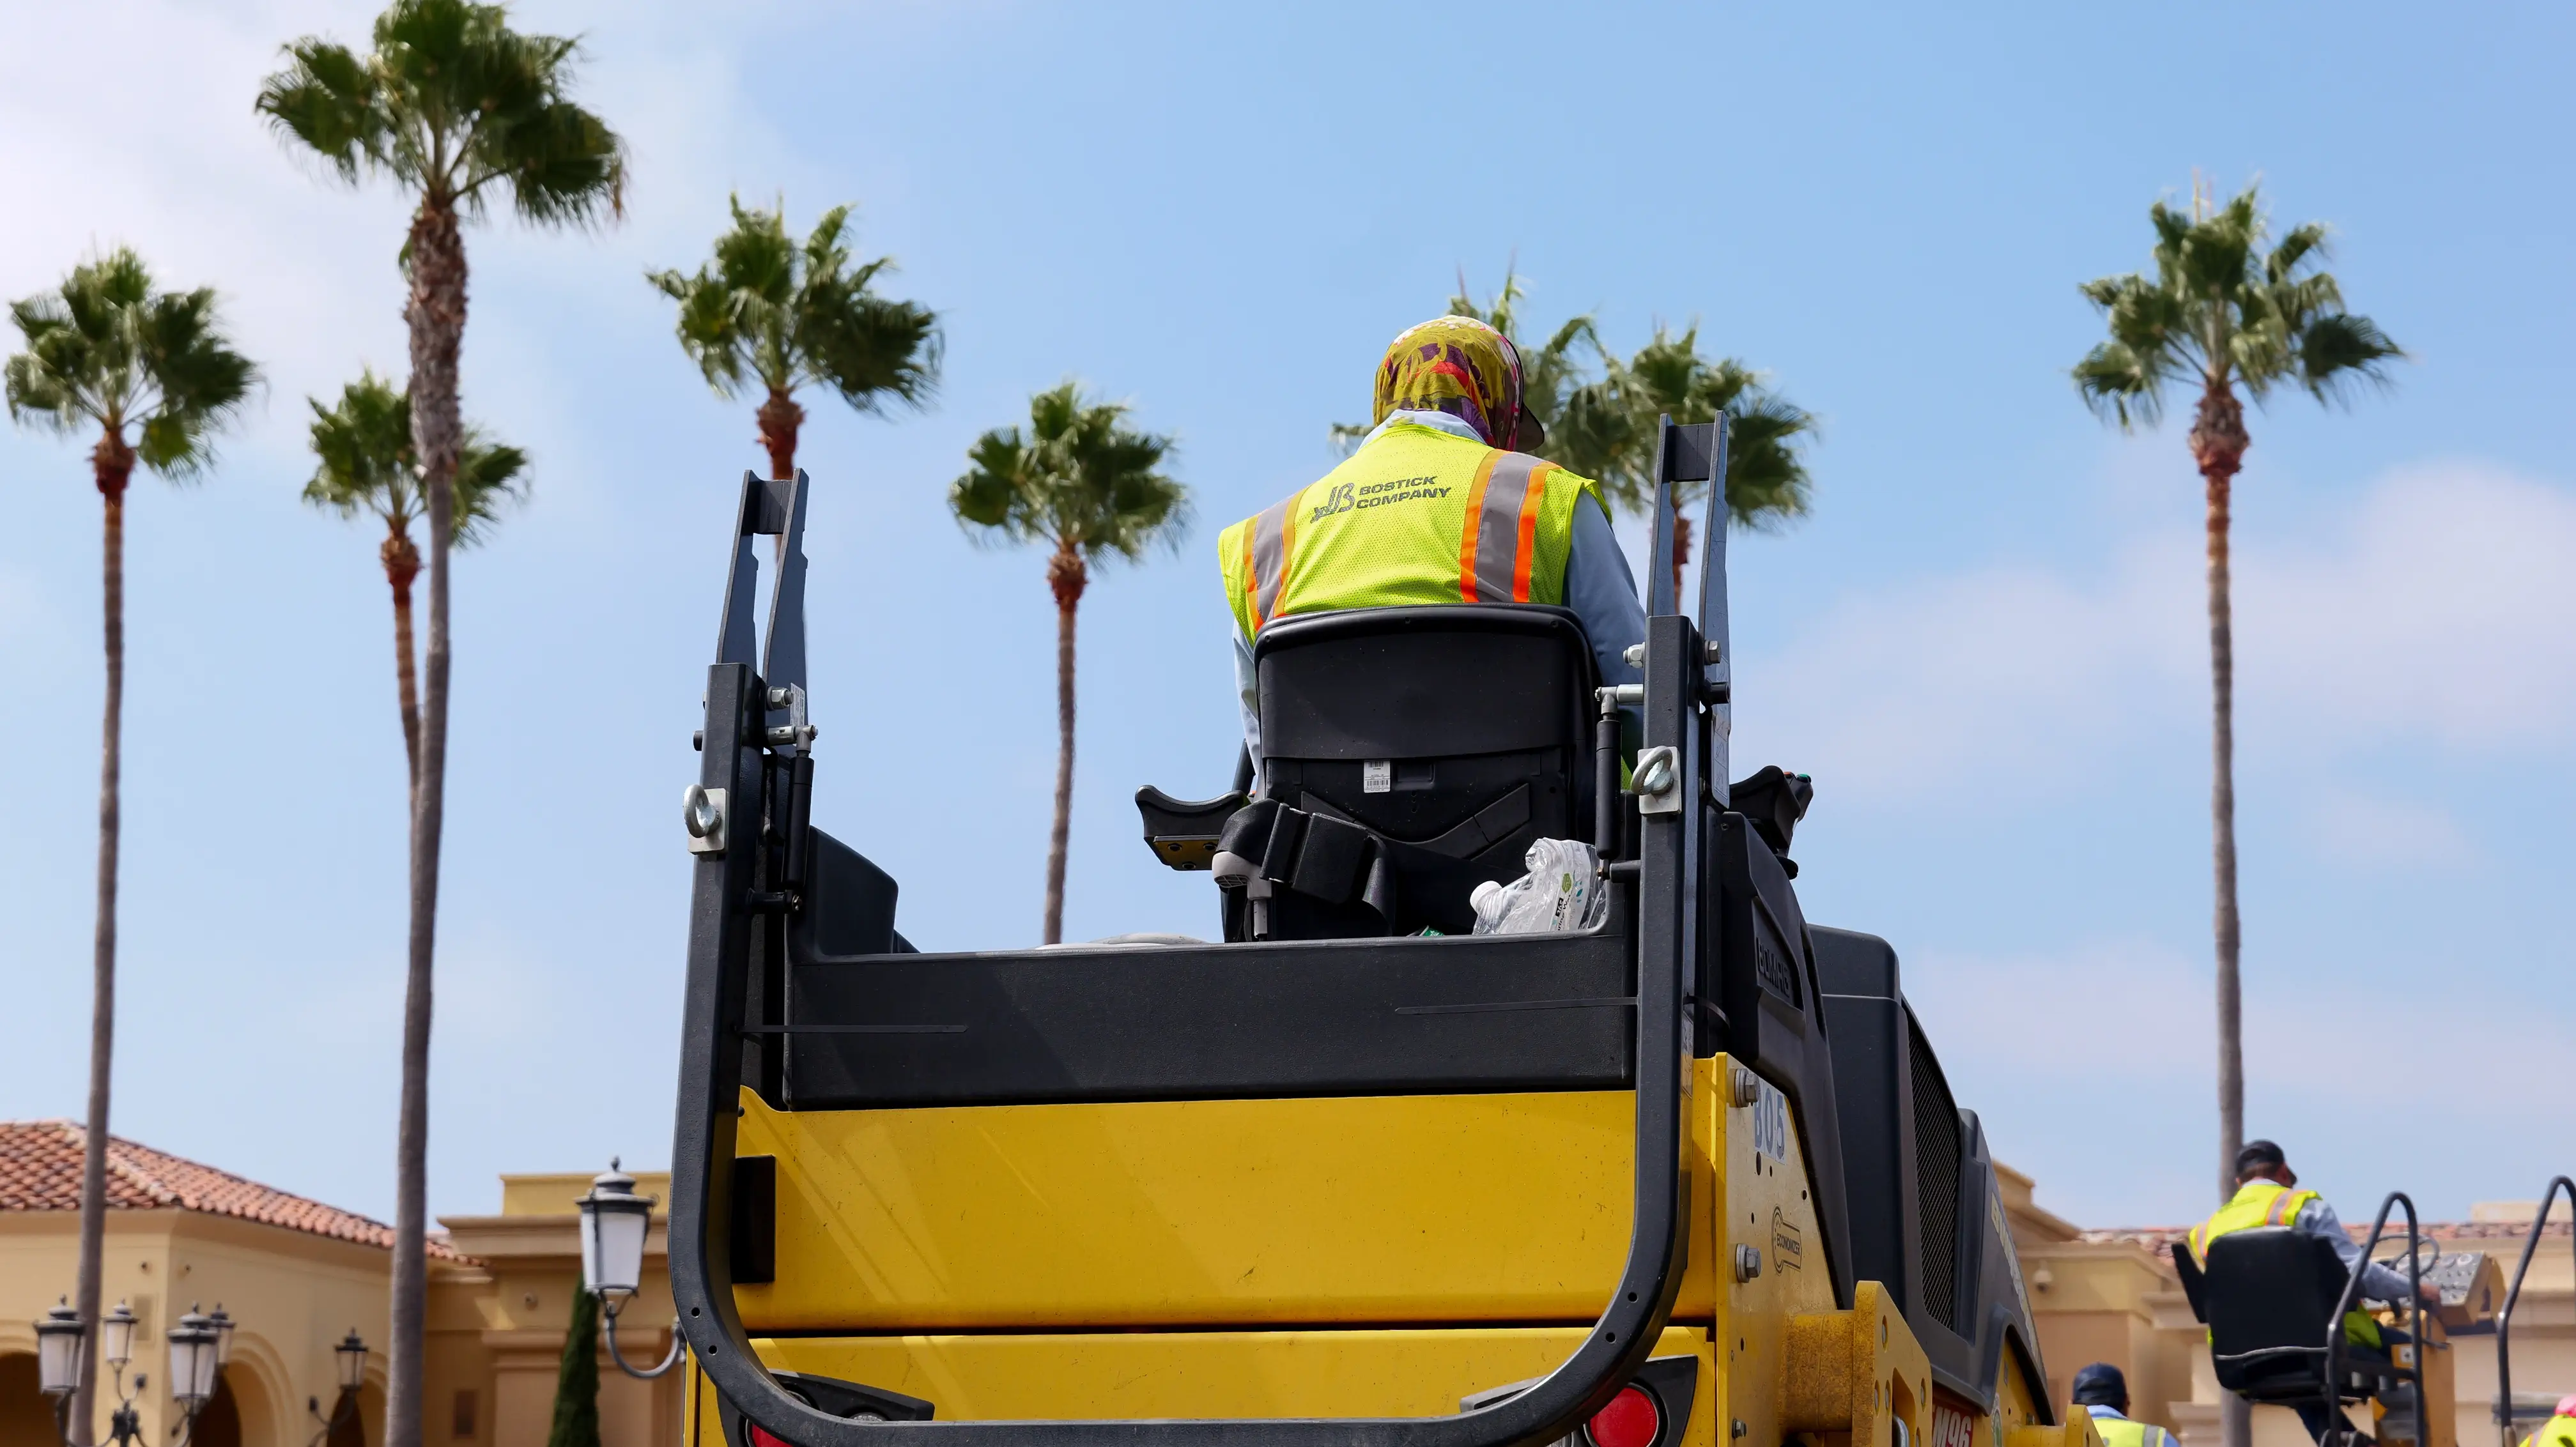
2504,1319
732,890
2414,1305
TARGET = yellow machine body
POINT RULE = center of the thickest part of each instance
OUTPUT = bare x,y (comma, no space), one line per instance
1364,1256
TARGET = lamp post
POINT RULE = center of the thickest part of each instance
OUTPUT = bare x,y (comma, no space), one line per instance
613,1224
198,1347
351,1358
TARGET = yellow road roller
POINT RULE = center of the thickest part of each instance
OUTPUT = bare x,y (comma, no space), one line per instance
1350,1175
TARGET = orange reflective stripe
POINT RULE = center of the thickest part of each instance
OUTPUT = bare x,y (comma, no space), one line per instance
1527,548
1251,577
1471,538
1500,529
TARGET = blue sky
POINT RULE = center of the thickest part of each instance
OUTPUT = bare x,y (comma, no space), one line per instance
1986,644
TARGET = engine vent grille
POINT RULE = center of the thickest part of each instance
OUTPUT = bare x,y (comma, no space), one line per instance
1936,1178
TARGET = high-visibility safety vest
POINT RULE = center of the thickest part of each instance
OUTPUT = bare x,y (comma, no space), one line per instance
2556,1432
1416,516
2269,1203
2121,1432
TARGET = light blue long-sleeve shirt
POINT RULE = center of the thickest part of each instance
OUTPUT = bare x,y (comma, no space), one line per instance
2155,1436
1600,591
2377,1282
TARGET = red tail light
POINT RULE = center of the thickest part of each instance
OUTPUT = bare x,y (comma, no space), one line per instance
1631,1420
761,1437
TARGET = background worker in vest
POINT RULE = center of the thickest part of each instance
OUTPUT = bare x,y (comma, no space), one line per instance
1440,503
2559,1430
2102,1392
2268,1194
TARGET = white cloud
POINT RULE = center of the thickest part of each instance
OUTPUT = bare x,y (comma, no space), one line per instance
183,170
2093,1068
2440,612
2434,614
2379,831
2036,1018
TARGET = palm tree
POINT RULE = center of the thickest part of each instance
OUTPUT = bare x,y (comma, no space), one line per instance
2222,313
107,350
766,310
363,445
1609,429
1083,481
458,108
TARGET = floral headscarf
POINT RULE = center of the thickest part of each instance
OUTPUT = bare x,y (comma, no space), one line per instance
1456,365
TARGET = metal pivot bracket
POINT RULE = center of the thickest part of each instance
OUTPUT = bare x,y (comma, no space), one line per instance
702,813
1859,1372
795,735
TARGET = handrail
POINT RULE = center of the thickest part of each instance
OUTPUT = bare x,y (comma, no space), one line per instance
724,895
2512,1294
2414,1306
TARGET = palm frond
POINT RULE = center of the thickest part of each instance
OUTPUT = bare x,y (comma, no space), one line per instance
1079,478
2222,311
364,464
2340,350
362,452
489,477
109,348
795,314
450,101
327,98
2119,384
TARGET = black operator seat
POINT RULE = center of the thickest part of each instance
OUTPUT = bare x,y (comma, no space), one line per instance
2268,1295
1410,754
1456,734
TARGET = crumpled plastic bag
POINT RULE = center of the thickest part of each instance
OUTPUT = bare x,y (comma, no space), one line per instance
1563,891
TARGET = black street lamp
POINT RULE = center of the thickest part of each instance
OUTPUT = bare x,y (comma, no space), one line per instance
198,1346
614,1221
351,1358
222,1322
193,1361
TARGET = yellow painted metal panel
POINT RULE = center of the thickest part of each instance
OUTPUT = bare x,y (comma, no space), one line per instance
1091,1375
1414,1209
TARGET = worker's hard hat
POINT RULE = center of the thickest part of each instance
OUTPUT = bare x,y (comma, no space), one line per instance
2100,1385
1465,368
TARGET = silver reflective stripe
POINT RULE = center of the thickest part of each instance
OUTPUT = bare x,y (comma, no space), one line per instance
1498,526
1269,558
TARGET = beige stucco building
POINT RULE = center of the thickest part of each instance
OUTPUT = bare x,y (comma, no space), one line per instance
298,1276
2111,1295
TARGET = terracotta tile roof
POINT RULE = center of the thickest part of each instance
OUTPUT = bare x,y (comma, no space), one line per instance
2157,1238
40,1170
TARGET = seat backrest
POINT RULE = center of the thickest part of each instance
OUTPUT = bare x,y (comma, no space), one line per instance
1462,731
2267,1288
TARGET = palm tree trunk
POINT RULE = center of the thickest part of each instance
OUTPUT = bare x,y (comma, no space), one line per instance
1066,576
402,565
1681,555
2222,823
780,418
112,464
2218,444
437,317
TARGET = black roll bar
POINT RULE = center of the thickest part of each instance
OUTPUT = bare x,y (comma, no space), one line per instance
2414,1307
2512,1294
729,904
